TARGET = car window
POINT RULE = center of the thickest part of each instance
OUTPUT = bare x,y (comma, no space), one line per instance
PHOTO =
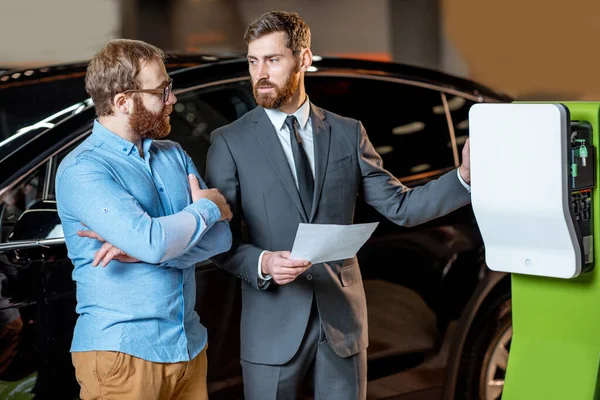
20,198
459,110
406,124
51,190
34,100
195,116
199,112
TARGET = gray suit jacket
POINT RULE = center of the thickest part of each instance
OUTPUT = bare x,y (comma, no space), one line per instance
247,164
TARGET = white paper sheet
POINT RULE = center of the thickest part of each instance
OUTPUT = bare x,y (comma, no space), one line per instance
319,243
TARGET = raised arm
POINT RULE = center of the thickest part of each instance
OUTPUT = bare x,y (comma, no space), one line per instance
401,205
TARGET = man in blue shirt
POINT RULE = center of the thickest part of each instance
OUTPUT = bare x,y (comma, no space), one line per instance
136,206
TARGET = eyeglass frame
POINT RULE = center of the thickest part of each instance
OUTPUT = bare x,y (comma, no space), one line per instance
166,91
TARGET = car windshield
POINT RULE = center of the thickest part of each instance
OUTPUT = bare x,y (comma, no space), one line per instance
28,107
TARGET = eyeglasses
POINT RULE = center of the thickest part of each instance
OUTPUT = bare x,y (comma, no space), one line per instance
166,91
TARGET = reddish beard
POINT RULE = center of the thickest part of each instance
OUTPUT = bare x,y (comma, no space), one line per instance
147,124
280,94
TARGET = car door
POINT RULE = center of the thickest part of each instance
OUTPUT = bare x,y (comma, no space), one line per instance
37,295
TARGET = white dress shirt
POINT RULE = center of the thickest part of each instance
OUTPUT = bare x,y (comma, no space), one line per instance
465,184
305,131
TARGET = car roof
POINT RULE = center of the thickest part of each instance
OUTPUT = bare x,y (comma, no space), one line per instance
235,66
342,65
414,73
173,61
179,60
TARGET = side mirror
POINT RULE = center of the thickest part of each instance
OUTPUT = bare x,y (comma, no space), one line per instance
40,221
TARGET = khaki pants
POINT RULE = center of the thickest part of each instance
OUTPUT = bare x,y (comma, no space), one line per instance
108,375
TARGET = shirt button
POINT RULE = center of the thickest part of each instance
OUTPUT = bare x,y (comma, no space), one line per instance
309,277
161,190
124,148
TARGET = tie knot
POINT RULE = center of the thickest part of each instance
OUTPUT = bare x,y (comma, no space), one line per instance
290,121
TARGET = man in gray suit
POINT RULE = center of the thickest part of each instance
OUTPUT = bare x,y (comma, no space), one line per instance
288,162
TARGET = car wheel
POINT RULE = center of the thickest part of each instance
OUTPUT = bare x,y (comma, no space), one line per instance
484,361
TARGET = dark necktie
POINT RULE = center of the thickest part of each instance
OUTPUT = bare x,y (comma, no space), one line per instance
306,181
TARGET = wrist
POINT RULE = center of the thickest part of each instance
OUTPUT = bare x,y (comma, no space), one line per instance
465,174
263,265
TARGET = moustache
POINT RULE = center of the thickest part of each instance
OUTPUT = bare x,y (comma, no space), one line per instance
264,83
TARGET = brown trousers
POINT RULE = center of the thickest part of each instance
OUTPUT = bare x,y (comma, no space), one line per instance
109,375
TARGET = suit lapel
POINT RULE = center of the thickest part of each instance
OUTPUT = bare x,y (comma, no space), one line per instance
322,140
267,137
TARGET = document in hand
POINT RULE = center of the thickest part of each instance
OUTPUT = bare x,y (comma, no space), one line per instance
319,243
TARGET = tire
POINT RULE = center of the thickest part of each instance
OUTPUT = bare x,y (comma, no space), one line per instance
483,363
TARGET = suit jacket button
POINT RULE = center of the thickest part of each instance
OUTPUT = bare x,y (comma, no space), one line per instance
309,277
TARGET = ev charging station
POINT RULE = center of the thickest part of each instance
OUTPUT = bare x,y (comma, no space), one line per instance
534,195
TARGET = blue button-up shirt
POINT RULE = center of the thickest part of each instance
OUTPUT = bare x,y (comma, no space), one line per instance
144,207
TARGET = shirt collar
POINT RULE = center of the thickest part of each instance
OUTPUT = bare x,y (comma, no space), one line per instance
116,142
302,114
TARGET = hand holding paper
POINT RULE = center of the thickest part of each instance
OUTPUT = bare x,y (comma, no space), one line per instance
282,268
319,243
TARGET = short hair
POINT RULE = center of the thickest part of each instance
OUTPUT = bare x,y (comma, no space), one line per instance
115,69
296,30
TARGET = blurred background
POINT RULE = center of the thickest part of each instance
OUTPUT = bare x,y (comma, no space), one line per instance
441,325
528,50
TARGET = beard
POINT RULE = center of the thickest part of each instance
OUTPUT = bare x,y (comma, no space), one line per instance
147,124
280,95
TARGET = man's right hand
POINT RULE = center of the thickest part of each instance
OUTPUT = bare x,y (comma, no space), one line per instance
211,194
281,267
107,252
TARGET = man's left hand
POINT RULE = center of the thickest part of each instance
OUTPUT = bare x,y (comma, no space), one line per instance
465,169
107,252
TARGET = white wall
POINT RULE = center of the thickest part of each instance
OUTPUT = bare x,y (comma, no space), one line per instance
36,32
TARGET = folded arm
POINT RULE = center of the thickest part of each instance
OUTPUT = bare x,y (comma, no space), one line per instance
86,192
217,240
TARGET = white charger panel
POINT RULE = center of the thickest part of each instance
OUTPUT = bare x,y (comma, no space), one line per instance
520,189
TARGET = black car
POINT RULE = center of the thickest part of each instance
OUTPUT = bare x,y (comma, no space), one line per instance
441,313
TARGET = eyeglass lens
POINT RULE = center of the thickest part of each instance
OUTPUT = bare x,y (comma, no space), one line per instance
167,92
